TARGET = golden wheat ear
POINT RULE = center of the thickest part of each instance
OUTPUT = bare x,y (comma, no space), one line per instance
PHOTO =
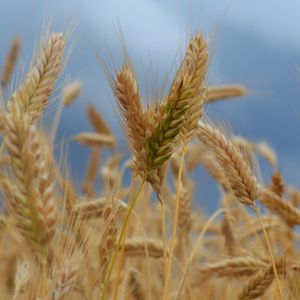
181,109
128,98
32,96
216,93
71,92
30,194
233,165
10,62
194,74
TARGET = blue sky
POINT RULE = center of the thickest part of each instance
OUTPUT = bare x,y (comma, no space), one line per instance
256,43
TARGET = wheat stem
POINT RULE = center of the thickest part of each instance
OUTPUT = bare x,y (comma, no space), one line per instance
174,229
279,289
120,263
119,242
164,236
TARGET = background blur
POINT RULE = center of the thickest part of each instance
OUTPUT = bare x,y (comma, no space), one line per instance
255,43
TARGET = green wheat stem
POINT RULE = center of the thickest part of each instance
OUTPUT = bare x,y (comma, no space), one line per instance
174,229
119,241
279,289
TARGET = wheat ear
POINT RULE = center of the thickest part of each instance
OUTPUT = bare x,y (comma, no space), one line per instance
134,247
278,206
232,162
32,96
194,72
71,92
231,267
129,100
32,191
10,61
214,94
258,285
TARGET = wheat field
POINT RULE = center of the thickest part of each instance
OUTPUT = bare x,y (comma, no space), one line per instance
147,239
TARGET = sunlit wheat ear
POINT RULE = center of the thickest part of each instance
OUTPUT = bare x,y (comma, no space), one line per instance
107,244
193,74
257,286
238,173
184,95
97,121
277,186
135,246
129,101
31,192
32,96
280,207
71,92
10,61
229,232
216,93
232,267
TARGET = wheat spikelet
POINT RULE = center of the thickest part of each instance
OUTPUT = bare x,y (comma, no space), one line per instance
134,247
282,208
95,208
10,61
71,92
107,244
97,121
127,93
92,139
228,230
66,280
236,267
185,206
194,73
174,112
31,194
224,92
32,96
242,182
277,185
231,267
258,285
92,171
136,285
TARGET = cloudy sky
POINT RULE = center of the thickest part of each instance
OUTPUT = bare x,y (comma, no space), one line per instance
256,43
